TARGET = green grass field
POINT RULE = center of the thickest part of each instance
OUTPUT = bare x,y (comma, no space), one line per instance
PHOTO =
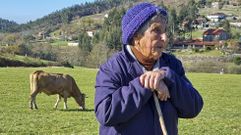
221,114
227,9
59,43
211,53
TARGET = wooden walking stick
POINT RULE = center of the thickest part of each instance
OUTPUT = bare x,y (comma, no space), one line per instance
159,111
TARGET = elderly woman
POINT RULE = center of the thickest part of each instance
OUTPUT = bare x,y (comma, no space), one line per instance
127,83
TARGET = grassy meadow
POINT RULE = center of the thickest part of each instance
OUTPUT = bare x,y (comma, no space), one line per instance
221,114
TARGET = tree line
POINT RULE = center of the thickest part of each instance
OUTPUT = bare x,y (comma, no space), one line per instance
7,26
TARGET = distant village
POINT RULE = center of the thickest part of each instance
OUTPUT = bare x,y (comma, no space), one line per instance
212,35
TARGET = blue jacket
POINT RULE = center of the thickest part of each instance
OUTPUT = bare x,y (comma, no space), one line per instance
124,107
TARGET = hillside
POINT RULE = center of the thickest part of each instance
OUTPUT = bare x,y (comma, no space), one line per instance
94,21
62,17
87,34
55,20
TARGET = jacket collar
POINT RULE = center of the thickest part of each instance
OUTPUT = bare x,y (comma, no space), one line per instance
135,68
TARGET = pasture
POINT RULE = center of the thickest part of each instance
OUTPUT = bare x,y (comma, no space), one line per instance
221,114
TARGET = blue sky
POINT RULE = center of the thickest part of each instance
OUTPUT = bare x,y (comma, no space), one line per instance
22,11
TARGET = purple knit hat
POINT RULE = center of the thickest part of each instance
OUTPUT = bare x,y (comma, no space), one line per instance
135,17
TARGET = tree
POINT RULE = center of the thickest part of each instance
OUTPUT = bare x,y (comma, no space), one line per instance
113,40
183,14
192,10
236,35
24,49
10,39
187,15
237,60
11,49
97,56
172,25
8,26
28,38
43,51
226,26
85,47
173,22
111,31
233,45
85,42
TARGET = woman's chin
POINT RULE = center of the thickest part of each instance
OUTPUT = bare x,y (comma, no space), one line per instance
156,56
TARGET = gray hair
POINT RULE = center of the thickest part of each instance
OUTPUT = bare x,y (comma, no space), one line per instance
146,25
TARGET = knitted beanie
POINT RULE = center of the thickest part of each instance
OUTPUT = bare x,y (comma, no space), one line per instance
135,17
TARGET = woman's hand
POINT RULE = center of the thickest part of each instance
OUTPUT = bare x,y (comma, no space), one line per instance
153,80
163,92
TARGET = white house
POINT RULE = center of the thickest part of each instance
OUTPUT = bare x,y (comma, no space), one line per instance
106,15
216,4
216,17
90,33
73,43
200,22
236,24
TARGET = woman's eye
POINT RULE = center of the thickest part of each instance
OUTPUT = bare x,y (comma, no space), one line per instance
157,30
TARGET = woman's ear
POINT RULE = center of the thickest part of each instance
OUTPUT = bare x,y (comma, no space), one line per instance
136,39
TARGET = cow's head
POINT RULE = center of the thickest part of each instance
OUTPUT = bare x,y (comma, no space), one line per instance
82,101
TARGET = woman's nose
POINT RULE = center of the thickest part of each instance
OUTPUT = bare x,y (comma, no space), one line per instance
163,36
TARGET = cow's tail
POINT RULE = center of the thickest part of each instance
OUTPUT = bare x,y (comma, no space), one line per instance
33,80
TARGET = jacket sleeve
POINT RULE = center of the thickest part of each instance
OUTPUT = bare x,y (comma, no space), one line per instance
184,96
114,102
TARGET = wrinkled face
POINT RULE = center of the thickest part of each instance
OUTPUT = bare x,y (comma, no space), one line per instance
153,41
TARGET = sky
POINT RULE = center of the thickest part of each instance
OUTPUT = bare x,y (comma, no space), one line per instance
22,11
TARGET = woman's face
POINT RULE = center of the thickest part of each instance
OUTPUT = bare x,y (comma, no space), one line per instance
154,40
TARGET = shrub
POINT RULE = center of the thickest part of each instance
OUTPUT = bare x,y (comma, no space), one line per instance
208,48
195,50
204,66
234,69
237,60
67,64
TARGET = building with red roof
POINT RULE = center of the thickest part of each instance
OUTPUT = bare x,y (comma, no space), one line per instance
215,35
195,43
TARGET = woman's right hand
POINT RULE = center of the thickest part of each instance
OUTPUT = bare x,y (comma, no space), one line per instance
154,80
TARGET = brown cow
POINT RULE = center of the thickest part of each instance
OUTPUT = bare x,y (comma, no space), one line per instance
54,83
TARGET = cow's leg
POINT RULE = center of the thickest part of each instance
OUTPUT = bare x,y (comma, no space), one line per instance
57,102
34,103
33,100
65,100
65,103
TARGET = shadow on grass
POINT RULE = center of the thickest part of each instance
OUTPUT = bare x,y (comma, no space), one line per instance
76,110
